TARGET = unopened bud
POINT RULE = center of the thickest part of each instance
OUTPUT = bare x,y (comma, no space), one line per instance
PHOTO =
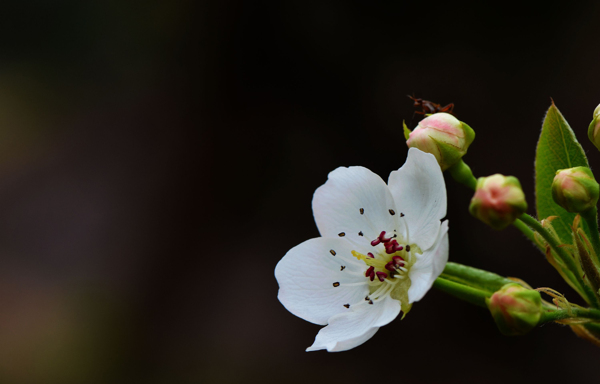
515,309
575,189
498,200
594,128
444,136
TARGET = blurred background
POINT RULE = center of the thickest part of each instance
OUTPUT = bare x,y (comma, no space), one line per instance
157,159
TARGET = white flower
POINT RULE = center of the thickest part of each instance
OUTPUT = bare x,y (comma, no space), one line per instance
381,249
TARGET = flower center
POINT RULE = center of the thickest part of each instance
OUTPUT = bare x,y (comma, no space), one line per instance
388,266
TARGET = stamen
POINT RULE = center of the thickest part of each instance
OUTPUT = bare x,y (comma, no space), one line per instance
342,234
392,247
382,292
370,255
347,305
392,212
398,260
370,273
380,239
342,267
401,214
390,266
381,276
360,233
362,211
371,302
332,252
408,248
336,284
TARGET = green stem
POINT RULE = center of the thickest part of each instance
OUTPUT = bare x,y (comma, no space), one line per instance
589,296
462,173
473,277
463,292
527,232
563,314
591,219
552,242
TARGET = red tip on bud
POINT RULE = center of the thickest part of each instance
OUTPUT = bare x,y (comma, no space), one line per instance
575,189
516,309
444,136
498,200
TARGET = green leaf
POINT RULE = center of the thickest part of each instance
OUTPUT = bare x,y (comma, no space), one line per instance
406,130
557,149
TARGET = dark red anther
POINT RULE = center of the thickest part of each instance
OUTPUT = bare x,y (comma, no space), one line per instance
370,273
391,266
398,260
381,275
370,255
392,247
380,239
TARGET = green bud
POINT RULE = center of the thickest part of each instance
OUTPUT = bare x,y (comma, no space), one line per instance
594,128
575,189
444,136
515,309
498,200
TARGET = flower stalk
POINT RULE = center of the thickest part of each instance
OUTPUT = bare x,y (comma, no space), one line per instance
475,286
470,284
569,314
591,219
462,173
464,292
566,259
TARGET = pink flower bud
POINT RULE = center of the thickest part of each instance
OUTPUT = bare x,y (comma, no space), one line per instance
515,309
444,136
575,189
594,128
498,200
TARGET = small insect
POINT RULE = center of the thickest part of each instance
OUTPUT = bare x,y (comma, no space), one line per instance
428,107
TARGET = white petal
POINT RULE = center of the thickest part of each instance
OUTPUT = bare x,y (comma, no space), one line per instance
419,192
306,275
351,329
337,205
429,266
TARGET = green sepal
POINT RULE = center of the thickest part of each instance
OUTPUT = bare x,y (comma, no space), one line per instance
591,133
449,154
406,130
515,309
469,134
557,149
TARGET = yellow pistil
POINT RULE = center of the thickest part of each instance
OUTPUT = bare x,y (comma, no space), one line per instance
371,262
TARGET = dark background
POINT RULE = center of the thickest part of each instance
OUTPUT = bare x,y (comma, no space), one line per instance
158,158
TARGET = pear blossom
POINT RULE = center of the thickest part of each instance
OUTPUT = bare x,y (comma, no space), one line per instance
381,249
